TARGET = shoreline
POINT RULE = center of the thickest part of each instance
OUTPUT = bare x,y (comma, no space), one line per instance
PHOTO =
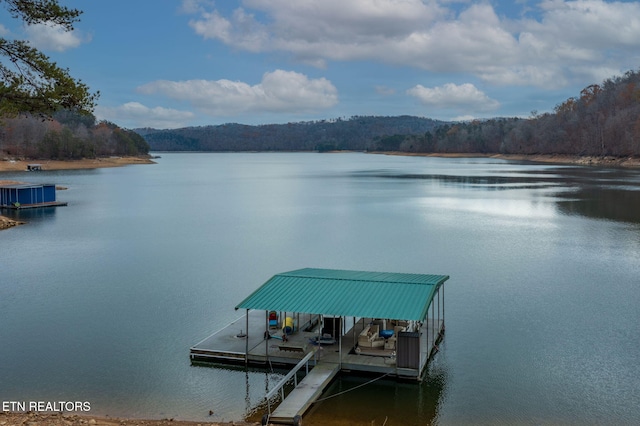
86,163
62,419
606,161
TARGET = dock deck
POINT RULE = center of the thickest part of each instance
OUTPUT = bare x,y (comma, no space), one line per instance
234,344
230,346
34,205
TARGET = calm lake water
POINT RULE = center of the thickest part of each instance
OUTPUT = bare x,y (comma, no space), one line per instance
101,300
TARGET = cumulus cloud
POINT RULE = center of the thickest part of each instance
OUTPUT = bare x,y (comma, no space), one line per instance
465,98
143,116
279,91
565,40
53,37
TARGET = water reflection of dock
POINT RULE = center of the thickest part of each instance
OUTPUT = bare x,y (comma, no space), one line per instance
360,322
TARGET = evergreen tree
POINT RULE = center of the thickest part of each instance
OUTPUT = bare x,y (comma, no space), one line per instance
29,81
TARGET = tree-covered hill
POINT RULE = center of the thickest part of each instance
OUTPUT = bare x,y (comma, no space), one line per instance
355,133
66,136
603,121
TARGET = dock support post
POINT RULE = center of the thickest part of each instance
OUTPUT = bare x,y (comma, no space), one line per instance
266,335
340,342
426,326
246,340
433,324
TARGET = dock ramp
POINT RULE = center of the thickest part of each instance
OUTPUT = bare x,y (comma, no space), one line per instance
290,410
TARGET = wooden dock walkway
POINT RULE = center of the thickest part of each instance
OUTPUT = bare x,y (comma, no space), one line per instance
305,394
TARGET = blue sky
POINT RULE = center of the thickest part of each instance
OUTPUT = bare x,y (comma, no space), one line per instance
177,63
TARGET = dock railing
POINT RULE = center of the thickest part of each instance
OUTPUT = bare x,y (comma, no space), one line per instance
293,373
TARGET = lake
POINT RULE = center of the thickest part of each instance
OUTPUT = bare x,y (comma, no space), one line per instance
100,300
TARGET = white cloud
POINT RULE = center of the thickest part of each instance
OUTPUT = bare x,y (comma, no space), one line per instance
243,31
3,30
279,91
565,42
385,91
464,97
195,6
53,37
143,116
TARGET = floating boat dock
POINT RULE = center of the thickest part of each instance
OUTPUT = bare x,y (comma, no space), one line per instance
332,321
34,167
28,196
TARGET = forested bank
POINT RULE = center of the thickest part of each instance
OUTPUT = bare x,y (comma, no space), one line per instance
603,120
66,136
355,133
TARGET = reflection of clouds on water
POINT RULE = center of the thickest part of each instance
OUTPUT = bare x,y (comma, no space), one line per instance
611,194
520,209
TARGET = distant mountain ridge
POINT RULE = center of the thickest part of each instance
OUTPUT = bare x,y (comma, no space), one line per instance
604,120
356,133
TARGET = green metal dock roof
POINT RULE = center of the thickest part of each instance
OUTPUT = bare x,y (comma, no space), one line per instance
334,292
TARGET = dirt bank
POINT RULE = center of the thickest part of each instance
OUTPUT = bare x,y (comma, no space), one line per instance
9,165
55,419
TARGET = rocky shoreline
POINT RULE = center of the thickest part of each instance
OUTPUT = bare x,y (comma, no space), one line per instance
57,419
6,223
